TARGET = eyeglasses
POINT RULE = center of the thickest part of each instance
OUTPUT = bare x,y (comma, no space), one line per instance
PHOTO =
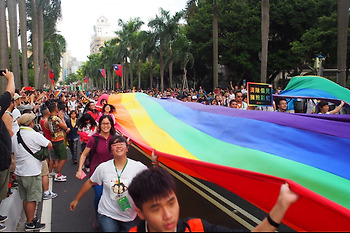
122,144
239,96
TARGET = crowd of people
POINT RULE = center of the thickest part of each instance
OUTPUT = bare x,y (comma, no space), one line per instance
33,120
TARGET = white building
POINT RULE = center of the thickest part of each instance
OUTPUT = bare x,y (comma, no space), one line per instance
102,32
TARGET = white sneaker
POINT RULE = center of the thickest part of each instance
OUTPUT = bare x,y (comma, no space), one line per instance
52,174
50,196
60,179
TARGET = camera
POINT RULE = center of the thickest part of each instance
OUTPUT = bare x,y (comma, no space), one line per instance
2,71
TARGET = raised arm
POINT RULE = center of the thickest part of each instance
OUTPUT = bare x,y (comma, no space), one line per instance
337,109
10,82
286,198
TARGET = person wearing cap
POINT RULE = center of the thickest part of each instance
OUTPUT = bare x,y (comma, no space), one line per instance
16,114
194,98
5,140
28,168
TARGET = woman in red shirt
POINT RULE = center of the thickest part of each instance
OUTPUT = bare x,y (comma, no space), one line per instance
91,109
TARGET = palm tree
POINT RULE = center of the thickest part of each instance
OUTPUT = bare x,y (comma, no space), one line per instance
128,37
265,22
173,28
343,22
216,44
35,42
4,49
148,49
54,43
23,32
159,31
12,13
183,55
191,9
41,43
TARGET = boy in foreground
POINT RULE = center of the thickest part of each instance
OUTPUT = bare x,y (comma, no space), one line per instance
154,194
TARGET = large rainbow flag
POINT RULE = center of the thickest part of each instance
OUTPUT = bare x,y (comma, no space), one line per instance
250,153
315,87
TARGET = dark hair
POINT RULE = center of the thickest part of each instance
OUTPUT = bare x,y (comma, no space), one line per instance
232,101
112,131
87,108
279,101
86,117
117,138
321,105
73,111
52,107
111,106
151,184
45,111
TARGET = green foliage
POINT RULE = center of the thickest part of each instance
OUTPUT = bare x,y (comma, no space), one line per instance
300,30
72,78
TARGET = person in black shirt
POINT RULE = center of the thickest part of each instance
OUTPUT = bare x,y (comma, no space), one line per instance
154,194
5,140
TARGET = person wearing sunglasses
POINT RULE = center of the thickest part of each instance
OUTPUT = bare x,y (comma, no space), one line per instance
240,103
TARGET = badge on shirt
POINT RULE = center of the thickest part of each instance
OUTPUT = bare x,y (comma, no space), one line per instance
124,203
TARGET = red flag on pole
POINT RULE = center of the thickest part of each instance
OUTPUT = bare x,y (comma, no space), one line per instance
118,70
103,72
52,74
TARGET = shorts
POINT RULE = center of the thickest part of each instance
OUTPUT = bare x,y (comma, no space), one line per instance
60,150
45,169
4,183
52,154
30,188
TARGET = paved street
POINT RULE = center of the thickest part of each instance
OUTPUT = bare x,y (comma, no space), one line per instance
212,208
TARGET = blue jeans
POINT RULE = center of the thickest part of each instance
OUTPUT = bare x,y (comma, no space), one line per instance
108,224
98,194
73,146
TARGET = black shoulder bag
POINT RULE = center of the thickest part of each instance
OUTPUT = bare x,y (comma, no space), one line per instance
40,155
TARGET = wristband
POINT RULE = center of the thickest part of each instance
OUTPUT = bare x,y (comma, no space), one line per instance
273,223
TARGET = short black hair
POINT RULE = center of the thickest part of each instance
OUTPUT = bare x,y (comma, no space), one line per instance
151,184
52,107
117,138
279,101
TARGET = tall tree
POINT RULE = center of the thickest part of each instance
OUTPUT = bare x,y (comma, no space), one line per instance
215,45
35,42
148,48
24,40
265,25
4,49
41,43
159,31
343,27
128,37
12,13
173,29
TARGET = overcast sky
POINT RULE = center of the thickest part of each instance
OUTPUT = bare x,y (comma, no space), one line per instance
79,17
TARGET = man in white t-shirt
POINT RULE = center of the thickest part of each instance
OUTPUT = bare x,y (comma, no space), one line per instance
72,104
28,168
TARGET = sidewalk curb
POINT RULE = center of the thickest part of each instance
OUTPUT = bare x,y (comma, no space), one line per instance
12,207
